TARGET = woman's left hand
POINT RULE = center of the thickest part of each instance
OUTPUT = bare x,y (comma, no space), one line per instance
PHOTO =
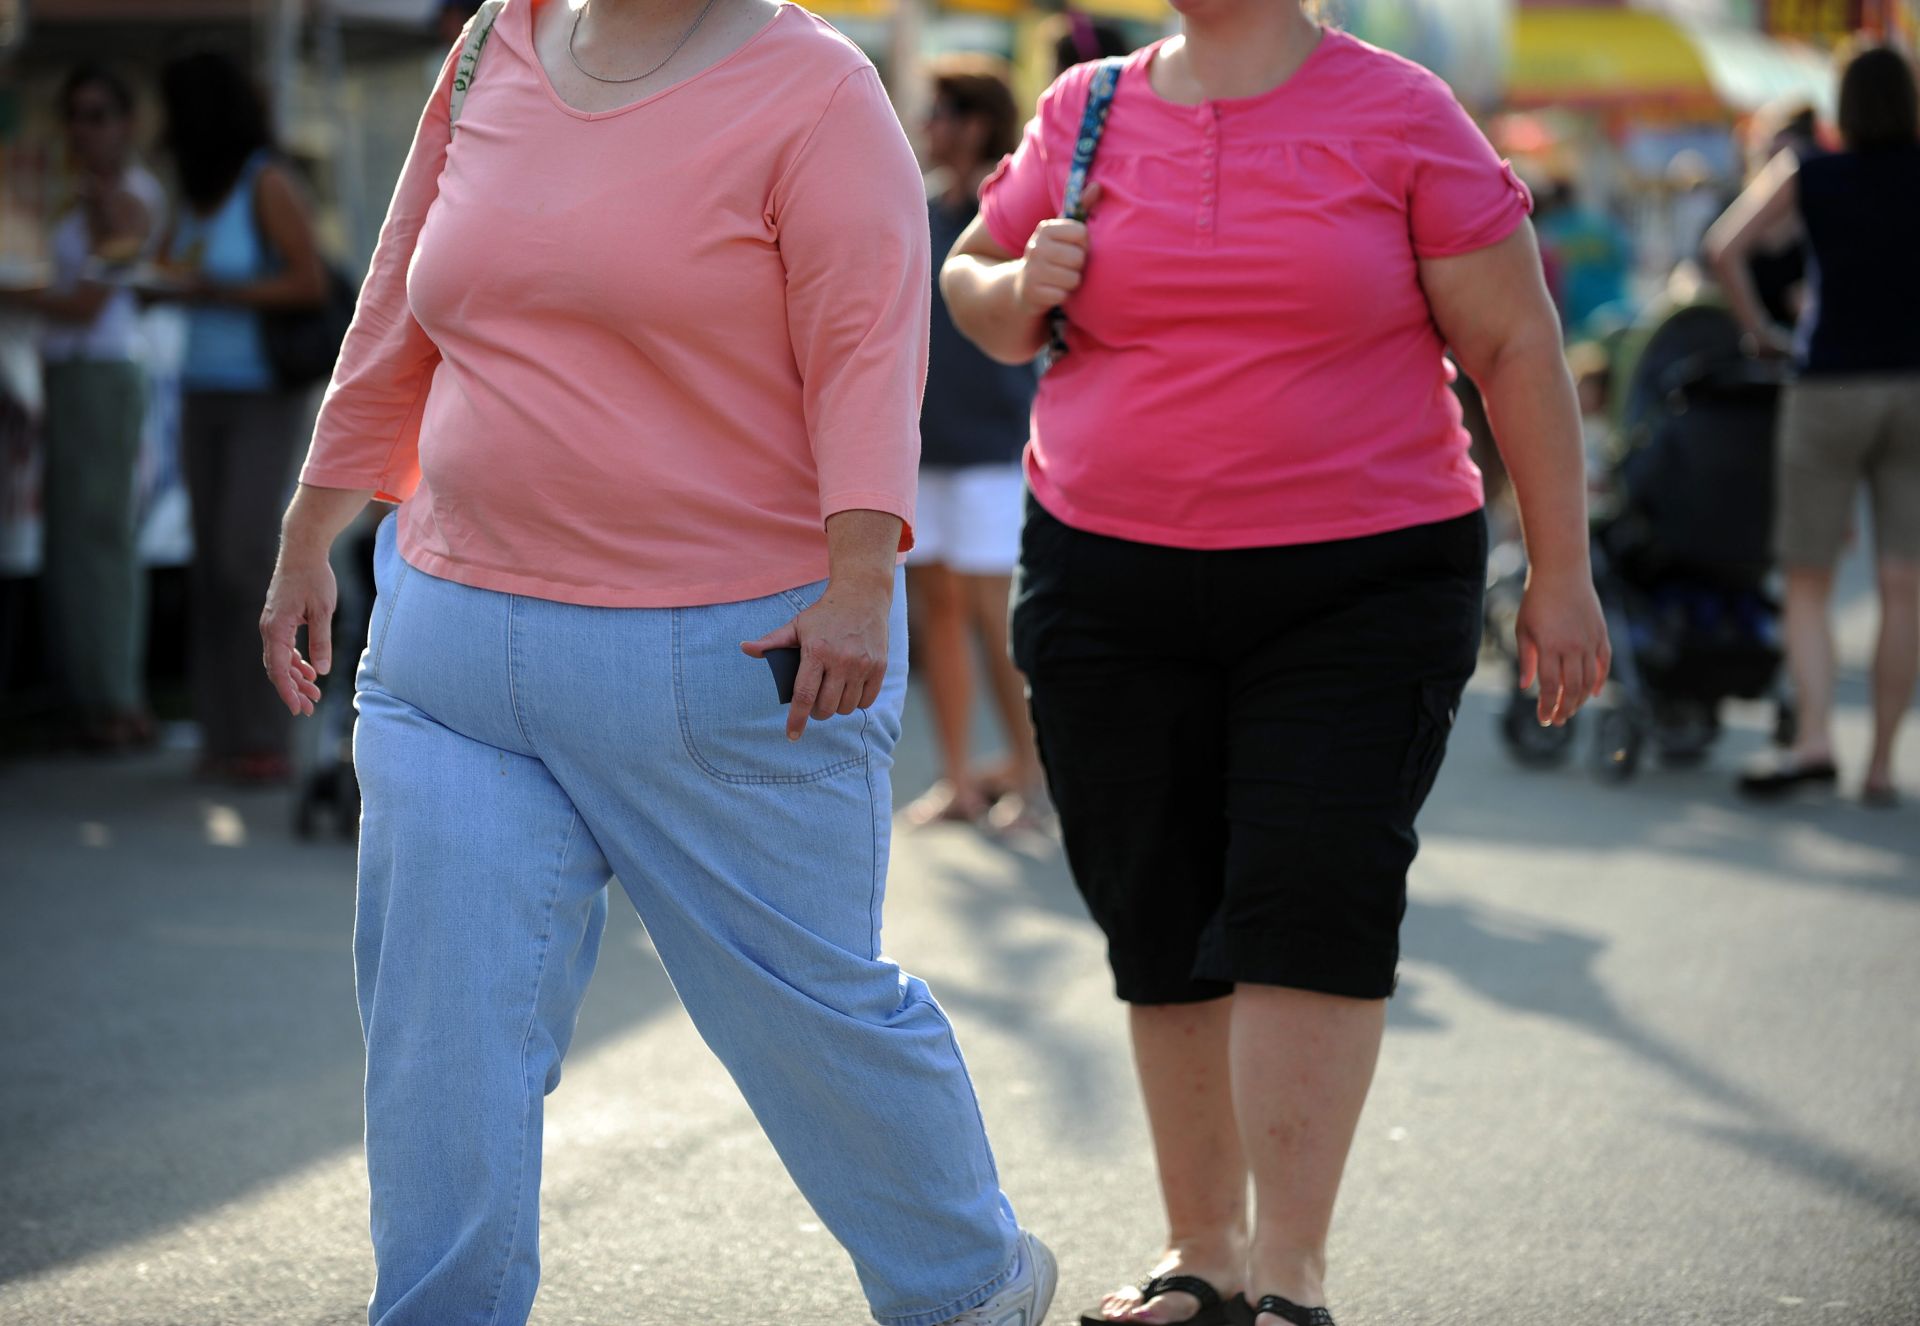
1563,643
843,652
185,287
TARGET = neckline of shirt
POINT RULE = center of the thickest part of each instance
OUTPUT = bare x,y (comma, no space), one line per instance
1139,68
532,53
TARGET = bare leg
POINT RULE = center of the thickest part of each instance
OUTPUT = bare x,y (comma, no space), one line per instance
988,598
943,661
1810,660
1302,1063
1181,1053
1896,660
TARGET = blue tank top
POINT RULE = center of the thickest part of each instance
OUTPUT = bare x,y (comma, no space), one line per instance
226,350
1862,215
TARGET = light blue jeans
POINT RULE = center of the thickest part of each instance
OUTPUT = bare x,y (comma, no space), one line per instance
513,754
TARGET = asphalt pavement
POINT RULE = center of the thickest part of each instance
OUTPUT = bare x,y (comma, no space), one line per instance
1654,1059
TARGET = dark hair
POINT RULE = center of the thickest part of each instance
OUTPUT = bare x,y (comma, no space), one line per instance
1087,39
216,120
1878,105
118,91
977,85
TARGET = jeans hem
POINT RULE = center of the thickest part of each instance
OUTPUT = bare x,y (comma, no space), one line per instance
973,1298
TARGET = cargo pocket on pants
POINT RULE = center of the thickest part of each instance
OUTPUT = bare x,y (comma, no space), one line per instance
1437,705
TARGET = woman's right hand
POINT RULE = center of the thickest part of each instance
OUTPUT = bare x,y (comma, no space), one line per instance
1055,261
1770,341
302,593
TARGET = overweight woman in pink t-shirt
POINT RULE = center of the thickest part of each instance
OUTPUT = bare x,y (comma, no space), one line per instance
1250,587
640,358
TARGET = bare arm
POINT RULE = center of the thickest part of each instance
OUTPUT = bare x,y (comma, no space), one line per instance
82,304
287,223
980,284
1000,301
118,214
1757,214
1493,309
303,592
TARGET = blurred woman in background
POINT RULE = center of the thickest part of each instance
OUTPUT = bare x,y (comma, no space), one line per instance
94,411
1853,416
243,243
973,425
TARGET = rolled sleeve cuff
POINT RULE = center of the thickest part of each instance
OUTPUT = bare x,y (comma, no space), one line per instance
386,487
892,504
1516,206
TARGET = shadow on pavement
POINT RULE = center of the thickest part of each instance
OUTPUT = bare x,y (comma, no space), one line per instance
1816,842
1091,1088
1533,966
176,998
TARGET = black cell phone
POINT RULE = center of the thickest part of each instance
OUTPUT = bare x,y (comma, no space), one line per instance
786,671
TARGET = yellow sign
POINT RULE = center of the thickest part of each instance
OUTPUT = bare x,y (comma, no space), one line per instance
1586,57
1821,20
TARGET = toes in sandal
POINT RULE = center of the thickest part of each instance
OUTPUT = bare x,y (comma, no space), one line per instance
1214,1310
1287,1310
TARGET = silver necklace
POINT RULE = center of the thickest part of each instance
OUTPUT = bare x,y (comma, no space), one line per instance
574,33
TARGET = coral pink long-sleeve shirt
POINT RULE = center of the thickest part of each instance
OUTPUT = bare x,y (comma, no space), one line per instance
634,358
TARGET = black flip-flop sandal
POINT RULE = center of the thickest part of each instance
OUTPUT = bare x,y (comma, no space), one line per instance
1287,1310
1214,1310
1784,775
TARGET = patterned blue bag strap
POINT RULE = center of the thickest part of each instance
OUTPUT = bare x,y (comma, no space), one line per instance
1093,123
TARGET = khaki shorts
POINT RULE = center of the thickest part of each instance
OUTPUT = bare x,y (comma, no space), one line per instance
1834,434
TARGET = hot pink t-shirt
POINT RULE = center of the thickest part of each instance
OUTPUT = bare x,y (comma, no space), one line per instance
634,358
1252,360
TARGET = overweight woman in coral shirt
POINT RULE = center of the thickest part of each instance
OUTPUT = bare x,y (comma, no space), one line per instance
1250,587
640,357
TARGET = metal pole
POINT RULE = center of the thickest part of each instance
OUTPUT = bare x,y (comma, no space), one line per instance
280,60
345,131
904,65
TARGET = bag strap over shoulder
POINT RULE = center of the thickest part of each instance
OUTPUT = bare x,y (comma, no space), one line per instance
1093,123
467,65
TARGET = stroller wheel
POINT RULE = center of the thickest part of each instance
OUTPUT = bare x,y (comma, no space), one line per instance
303,819
1786,724
346,808
1531,745
1617,744
1685,732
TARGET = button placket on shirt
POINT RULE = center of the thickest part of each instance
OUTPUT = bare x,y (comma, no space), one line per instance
1208,207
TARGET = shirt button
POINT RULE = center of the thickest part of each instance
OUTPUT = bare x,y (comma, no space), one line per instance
1208,200
1207,150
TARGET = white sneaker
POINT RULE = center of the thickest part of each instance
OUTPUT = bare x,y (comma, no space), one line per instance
1026,1298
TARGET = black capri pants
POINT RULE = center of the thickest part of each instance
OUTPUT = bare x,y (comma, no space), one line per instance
1238,743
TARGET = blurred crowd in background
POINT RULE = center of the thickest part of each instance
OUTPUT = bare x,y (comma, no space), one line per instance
188,189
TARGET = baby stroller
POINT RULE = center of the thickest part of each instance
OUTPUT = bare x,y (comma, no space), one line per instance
329,789
1681,556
